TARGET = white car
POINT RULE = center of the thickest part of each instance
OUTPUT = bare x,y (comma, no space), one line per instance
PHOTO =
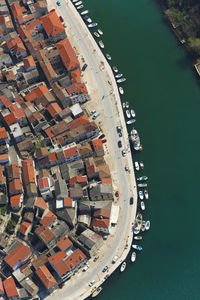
85,268
92,282
123,153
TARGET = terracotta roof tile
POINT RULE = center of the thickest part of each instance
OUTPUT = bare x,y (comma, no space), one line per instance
10,287
17,111
64,243
70,152
43,183
28,62
67,202
3,133
10,119
15,200
21,253
28,171
106,180
6,102
39,202
54,109
54,259
67,54
24,227
46,277
45,234
83,119
102,223
52,24
15,185
48,218
97,144
74,259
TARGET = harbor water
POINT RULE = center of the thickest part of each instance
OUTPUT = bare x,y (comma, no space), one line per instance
164,91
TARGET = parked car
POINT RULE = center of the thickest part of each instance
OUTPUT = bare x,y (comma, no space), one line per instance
61,18
85,268
115,259
126,168
105,269
84,67
131,200
120,134
104,141
52,10
58,3
95,259
117,194
102,136
119,144
119,129
123,153
92,282
92,112
95,115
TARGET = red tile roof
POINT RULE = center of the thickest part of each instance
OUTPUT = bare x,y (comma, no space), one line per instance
79,179
28,62
43,183
10,287
54,259
20,254
106,180
61,268
5,101
64,243
46,277
70,152
74,259
97,144
15,200
39,202
52,24
37,93
67,202
76,88
45,234
67,54
1,287
3,157
3,133
76,75
10,119
24,227
48,218
15,185
17,111
83,119
52,157
102,223
28,171
54,109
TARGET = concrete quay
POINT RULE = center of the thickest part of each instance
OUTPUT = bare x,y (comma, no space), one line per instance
105,97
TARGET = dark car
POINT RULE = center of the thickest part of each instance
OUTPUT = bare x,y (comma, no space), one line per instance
52,10
104,140
119,144
102,136
105,269
61,18
84,67
131,200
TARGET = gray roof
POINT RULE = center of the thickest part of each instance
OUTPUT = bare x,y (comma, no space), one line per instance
59,228
68,215
61,190
64,171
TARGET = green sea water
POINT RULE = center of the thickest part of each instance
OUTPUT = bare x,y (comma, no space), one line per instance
164,91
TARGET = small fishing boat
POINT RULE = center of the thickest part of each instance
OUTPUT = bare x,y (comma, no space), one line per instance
86,18
146,194
133,256
84,12
127,104
78,3
121,90
121,80
74,1
79,7
101,44
108,56
142,184
133,113
92,25
137,166
115,69
97,291
123,267
129,122
143,227
128,114
124,105
141,165
138,237
118,75
141,195
137,247
100,31
142,178
96,34
147,225
142,205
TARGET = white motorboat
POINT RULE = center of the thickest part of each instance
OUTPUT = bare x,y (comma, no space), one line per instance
92,25
135,139
146,194
141,195
124,105
97,291
129,122
79,7
147,225
115,69
142,178
127,104
128,114
100,31
138,237
133,113
118,75
96,34
108,56
84,12
88,19
137,247
74,1
142,205
133,256
142,184
101,44
78,3
121,80
123,267
141,165
121,90
137,167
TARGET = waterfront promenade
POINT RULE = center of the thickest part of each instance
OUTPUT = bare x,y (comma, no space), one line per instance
106,99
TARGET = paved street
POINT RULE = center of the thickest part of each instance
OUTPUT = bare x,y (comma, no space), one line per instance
109,103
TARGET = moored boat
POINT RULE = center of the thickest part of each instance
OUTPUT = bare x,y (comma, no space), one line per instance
124,105
108,56
133,113
138,237
96,34
79,7
135,139
121,90
78,3
141,195
115,69
100,31
127,104
142,178
137,167
84,12
143,227
142,184
118,75
137,247
101,44
74,1
123,267
142,205
147,225
141,165
97,291
86,18
146,194
129,122
128,114
92,25
121,80
133,256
